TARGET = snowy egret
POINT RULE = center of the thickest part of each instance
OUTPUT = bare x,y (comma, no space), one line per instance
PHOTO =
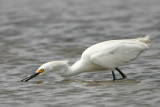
108,55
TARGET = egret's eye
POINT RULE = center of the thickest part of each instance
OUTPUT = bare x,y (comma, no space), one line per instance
40,71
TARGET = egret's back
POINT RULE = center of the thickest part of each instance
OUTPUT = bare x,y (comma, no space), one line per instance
113,53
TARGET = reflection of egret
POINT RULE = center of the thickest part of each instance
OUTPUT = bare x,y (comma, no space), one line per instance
108,55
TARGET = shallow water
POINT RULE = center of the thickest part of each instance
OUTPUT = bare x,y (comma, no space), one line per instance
35,32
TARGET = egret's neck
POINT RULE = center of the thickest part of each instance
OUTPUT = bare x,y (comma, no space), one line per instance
75,69
80,66
65,70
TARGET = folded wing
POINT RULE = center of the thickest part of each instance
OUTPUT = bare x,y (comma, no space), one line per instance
117,55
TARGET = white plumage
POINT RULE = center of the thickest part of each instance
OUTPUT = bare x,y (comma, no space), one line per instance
106,55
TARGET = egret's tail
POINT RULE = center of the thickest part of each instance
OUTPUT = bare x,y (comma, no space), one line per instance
146,40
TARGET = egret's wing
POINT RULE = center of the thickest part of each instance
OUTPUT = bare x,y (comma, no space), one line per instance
117,55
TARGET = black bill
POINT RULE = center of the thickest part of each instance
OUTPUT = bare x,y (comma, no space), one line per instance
30,77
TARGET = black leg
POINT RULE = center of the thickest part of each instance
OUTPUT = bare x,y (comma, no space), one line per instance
114,77
122,74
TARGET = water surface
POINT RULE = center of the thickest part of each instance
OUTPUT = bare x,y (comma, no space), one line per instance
35,32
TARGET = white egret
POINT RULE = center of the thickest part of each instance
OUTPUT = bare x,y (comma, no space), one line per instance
107,55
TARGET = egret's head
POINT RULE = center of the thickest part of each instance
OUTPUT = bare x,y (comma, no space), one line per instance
48,67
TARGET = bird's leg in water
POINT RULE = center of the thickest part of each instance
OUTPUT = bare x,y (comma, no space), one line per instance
122,74
114,77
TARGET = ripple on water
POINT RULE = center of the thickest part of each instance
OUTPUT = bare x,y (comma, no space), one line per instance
34,32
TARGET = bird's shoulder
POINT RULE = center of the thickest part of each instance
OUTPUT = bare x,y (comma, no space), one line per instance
113,46
100,47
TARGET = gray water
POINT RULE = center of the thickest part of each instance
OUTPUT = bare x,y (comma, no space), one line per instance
33,32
